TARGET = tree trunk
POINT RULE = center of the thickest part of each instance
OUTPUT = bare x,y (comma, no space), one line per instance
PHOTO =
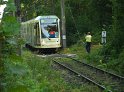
1,64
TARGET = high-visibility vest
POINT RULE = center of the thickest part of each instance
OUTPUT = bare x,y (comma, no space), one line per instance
88,38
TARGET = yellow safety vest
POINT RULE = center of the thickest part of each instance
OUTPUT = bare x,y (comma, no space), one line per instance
88,38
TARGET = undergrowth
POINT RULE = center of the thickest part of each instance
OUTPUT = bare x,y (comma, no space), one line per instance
30,73
110,63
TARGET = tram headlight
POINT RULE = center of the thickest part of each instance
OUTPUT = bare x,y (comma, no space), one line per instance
43,42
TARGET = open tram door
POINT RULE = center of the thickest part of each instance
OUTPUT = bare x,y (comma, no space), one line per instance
37,34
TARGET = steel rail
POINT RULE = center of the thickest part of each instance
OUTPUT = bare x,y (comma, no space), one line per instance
117,76
81,75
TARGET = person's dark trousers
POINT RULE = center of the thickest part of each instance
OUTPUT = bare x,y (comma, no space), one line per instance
88,45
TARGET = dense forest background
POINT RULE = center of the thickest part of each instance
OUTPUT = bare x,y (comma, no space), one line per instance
81,16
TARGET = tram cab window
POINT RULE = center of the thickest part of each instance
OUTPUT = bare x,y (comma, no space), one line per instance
46,26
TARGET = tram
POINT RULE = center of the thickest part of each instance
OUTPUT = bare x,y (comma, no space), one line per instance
42,33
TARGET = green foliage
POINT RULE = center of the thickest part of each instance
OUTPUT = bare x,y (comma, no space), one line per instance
17,88
34,74
10,25
107,89
96,37
10,6
32,8
31,73
84,16
118,25
14,70
117,64
9,29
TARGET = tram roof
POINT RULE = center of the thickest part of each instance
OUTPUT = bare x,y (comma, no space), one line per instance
41,17
49,16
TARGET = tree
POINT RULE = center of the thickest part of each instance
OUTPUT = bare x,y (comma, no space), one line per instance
8,29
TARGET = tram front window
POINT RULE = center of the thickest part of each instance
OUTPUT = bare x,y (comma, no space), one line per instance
49,28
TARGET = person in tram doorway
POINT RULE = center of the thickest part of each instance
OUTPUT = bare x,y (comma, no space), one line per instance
88,38
51,33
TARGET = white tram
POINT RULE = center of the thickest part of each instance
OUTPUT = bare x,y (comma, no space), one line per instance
36,32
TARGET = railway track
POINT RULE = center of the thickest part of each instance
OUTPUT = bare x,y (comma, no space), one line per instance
101,78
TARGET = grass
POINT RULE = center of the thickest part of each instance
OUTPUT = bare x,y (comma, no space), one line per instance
31,73
81,53
111,64
35,74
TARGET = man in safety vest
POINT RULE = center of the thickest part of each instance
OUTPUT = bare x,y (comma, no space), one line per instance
88,38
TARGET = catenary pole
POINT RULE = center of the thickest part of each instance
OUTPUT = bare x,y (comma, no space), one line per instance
53,6
63,23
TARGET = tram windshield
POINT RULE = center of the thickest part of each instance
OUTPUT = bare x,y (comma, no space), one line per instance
49,28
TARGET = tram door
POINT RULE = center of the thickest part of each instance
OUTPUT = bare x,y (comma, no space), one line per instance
37,34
